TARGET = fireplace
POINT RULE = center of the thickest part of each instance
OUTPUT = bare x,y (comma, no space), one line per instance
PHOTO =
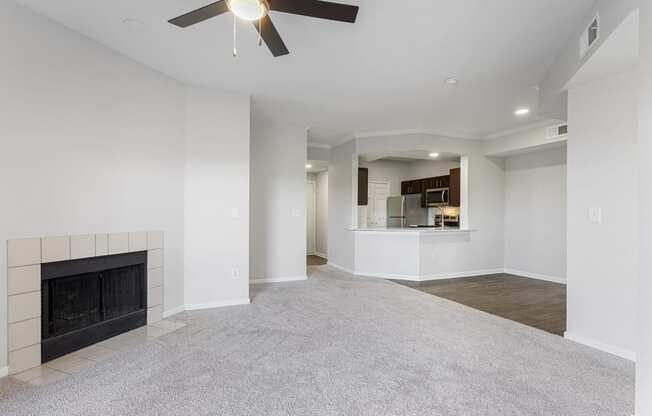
88,300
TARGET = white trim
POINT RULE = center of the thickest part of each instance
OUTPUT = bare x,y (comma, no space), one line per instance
521,273
314,214
173,311
322,255
531,126
620,352
408,132
278,280
4,372
319,145
340,268
442,276
211,305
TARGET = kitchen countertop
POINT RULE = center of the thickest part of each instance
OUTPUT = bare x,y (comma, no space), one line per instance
446,230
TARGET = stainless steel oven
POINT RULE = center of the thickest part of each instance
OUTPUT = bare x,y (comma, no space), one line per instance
437,197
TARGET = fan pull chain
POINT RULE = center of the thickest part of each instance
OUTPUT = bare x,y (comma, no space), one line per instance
260,31
235,37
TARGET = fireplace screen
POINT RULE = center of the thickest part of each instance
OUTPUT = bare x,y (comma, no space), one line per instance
88,300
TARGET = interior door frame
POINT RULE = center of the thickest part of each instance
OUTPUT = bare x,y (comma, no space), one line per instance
389,193
314,223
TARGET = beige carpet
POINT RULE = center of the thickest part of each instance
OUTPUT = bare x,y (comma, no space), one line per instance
337,345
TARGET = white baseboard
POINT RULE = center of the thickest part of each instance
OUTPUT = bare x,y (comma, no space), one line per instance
427,278
173,311
537,276
4,372
212,305
322,255
278,279
341,268
620,352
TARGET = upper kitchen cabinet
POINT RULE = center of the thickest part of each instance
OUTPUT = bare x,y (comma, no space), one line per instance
412,187
455,187
435,183
363,186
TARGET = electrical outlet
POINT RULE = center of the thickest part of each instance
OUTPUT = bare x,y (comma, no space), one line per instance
235,273
595,214
296,212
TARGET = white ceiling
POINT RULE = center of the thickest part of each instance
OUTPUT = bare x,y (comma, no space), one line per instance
384,73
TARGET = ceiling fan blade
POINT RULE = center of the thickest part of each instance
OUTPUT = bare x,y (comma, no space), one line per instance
271,36
317,8
199,15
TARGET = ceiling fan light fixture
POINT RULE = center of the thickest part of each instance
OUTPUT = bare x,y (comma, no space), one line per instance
250,10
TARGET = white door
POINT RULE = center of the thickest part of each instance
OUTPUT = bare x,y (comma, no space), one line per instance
377,209
310,217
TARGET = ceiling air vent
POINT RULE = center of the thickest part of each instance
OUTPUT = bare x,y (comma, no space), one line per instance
557,132
590,36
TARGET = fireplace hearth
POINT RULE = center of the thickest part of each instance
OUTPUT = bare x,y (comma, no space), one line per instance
88,300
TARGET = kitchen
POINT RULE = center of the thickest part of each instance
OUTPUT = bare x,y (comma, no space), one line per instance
410,191
412,205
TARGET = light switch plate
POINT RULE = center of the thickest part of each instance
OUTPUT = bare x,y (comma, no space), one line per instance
595,214
235,213
235,273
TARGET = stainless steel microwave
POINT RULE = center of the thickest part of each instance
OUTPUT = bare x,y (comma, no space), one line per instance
437,197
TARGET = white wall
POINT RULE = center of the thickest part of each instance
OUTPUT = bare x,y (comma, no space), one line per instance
535,214
216,199
322,214
390,171
644,353
429,168
91,142
318,153
342,195
602,173
531,139
278,201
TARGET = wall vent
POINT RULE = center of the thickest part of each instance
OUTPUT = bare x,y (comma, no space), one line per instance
557,132
590,36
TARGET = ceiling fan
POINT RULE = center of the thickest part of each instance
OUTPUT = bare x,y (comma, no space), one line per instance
257,12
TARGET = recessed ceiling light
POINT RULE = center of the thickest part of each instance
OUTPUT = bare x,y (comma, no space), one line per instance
434,154
522,111
309,166
452,81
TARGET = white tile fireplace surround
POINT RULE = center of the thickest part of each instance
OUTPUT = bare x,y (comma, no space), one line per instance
24,259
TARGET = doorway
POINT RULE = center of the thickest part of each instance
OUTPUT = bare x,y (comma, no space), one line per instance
377,203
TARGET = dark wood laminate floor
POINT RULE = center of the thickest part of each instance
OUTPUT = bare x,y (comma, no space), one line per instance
316,261
536,303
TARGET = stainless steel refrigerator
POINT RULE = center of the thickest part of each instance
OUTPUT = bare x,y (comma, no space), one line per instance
404,211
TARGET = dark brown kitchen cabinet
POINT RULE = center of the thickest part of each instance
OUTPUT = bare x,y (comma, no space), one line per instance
363,186
455,187
435,183
412,187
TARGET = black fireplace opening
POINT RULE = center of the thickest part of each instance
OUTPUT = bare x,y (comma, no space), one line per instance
88,300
